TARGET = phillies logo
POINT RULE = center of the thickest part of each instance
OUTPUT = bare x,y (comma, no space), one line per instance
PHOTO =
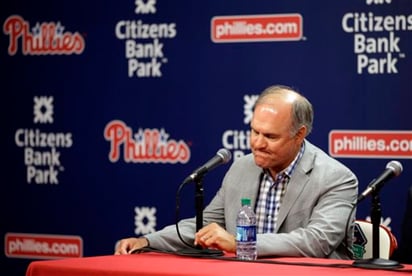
42,246
42,39
267,27
144,146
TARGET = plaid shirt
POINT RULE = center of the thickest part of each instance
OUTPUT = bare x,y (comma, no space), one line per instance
270,197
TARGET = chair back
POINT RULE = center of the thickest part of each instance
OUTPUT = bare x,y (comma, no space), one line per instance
363,243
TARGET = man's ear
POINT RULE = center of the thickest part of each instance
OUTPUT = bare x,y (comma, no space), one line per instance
301,134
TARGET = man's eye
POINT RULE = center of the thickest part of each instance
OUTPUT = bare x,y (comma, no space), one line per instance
272,138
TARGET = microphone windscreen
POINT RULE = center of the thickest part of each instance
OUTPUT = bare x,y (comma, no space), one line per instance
225,154
395,166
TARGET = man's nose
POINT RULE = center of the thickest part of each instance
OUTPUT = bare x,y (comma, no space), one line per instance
260,141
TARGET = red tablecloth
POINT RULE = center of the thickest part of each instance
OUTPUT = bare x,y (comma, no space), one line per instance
165,264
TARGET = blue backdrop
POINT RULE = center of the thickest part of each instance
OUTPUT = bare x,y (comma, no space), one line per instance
107,107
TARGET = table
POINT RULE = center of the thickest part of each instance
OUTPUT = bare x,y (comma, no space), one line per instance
154,264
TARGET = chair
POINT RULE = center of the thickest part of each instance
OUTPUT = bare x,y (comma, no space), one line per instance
363,245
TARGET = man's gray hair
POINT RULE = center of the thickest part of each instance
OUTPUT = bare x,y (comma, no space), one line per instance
302,110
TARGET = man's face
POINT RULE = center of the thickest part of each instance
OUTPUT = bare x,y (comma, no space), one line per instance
272,143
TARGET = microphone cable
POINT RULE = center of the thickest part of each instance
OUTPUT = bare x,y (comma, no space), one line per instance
191,250
177,216
349,252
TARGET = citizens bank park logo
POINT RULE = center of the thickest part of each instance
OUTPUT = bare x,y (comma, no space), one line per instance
144,220
42,149
247,28
238,140
379,37
144,41
42,246
144,146
47,38
370,144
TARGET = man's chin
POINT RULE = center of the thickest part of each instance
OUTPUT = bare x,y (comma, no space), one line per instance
261,162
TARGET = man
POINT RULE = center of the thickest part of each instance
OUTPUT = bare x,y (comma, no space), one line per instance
303,198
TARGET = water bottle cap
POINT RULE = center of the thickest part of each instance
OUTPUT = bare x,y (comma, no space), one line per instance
245,201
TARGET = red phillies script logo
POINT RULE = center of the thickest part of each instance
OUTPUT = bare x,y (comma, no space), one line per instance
42,39
373,144
144,146
256,28
18,245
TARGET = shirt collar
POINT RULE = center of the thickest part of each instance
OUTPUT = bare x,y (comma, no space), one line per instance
289,170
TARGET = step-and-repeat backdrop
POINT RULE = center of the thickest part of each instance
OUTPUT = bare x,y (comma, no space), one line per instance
108,106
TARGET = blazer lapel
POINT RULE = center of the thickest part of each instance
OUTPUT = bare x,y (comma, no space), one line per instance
297,183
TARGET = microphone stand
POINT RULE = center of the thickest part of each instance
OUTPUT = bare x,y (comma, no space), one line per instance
199,202
196,250
199,196
376,261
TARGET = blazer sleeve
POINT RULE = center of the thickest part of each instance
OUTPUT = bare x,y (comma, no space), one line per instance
221,210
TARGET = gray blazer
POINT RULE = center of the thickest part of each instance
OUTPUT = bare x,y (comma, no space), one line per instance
312,218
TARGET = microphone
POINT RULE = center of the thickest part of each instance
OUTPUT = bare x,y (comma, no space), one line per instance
222,156
393,168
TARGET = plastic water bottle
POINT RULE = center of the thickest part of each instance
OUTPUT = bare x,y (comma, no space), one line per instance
246,232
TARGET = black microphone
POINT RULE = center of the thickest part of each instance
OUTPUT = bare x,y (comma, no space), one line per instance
222,156
393,168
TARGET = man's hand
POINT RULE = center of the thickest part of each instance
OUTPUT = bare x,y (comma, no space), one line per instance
127,246
214,236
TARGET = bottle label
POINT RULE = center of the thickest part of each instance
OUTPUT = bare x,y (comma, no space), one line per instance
246,233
